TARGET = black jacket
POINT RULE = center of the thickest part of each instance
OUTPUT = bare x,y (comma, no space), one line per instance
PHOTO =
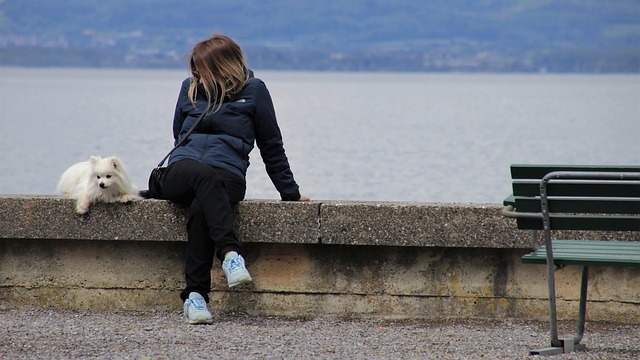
224,139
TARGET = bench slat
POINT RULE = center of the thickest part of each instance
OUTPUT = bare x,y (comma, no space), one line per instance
604,205
589,253
587,222
527,171
577,188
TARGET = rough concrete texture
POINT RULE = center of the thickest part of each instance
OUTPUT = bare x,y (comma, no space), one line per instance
307,258
310,280
28,217
436,224
277,221
415,224
272,221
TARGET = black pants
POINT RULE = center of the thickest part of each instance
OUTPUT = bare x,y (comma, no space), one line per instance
210,194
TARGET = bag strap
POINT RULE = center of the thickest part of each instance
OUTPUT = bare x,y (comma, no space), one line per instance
202,115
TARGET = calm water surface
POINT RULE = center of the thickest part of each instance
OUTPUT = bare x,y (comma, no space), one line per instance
349,136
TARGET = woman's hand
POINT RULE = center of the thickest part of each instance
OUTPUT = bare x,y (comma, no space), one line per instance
303,198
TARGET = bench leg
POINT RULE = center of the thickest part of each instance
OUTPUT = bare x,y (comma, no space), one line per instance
553,319
566,345
583,304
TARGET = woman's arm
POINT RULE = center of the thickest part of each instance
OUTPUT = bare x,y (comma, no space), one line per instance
269,141
179,114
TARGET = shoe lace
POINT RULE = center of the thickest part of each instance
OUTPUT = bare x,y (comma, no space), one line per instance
234,265
197,304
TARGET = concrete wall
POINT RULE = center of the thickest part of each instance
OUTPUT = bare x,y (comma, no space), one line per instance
394,260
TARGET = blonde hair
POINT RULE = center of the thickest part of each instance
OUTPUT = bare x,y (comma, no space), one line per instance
219,64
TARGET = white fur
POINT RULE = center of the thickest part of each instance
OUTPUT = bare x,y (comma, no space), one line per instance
97,180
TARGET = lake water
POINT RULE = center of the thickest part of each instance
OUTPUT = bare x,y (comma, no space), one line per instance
349,136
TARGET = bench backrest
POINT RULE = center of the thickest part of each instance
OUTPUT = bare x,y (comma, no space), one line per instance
578,197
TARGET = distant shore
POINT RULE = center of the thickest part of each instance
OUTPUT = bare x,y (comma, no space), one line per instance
588,62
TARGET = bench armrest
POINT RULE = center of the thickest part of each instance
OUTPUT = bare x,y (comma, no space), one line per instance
509,200
510,212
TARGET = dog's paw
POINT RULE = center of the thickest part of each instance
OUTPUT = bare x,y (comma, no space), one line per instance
129,198
81,210
82,206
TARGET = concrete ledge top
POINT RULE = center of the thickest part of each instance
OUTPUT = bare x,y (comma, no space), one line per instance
273,221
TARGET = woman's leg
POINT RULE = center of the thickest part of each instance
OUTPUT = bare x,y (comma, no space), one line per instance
210,224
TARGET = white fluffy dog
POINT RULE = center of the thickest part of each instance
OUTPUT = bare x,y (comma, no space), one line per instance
97,180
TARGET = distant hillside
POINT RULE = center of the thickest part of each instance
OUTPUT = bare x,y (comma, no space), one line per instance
438,35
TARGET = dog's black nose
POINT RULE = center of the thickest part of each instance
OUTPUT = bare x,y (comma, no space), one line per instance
102,185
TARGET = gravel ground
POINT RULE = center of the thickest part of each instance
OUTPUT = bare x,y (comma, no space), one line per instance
65,334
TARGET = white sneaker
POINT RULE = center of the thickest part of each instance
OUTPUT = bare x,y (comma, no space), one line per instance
233,267
195,310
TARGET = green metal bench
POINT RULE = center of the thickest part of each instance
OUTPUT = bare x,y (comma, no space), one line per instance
558,197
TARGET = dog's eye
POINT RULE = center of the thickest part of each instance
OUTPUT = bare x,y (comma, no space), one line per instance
108,176
98,176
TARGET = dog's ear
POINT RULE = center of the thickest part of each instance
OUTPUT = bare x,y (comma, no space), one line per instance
94,159
116,163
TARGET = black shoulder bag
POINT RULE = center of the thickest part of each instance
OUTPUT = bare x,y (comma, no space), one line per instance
155,179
